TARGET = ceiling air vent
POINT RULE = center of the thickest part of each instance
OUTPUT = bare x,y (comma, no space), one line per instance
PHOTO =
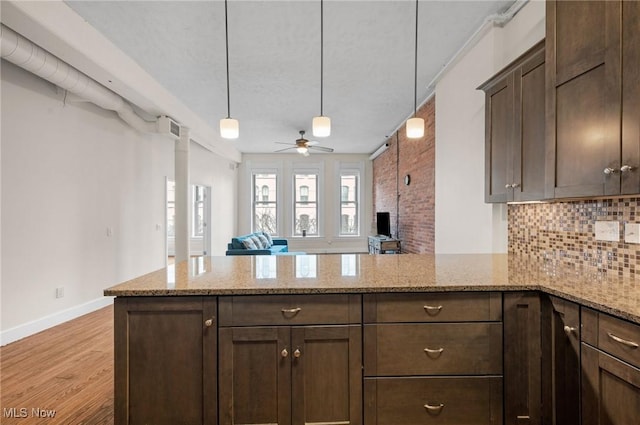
168,127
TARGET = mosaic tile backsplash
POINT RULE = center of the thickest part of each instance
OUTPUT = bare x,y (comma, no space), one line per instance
565,232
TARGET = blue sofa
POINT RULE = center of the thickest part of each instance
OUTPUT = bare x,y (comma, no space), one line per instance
237,246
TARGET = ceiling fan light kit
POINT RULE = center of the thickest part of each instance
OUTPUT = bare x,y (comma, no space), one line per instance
415,125
321,126
229,127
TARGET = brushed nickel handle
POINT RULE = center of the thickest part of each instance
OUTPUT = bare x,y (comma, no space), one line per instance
291,311
208,322
628,343
515,185
432,310
507,186
284,352
610,170
297,353
434,408
523,417
434,353
569,330
626,168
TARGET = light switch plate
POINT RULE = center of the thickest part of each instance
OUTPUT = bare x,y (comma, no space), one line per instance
632,233
608,231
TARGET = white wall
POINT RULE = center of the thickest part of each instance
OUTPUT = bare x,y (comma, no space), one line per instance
69,172
329,165
464,223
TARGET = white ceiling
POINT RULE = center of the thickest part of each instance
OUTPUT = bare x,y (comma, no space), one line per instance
274,60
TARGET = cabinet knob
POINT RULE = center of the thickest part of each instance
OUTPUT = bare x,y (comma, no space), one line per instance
434,408
507,186
569,330
515,185
284,352
297,353
626,168
208,323
609,170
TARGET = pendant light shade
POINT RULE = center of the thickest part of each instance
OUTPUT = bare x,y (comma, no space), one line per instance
415,125
321,126
229,127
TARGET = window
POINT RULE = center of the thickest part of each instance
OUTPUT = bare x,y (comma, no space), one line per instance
171,209
306,204
349,204
265,209
198,223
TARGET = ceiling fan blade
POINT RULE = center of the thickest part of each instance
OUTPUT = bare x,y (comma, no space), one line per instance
285,149
321,148
312,142
283,143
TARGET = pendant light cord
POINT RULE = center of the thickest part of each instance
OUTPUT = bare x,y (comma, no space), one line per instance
226,40
321,55
415,68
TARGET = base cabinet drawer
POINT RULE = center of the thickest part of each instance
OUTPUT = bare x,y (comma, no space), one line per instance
433,349
442,400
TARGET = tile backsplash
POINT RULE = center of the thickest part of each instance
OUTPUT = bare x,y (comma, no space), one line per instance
565,232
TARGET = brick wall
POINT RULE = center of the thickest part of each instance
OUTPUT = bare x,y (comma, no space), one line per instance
415,213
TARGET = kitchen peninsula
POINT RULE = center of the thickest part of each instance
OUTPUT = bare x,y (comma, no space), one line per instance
369,339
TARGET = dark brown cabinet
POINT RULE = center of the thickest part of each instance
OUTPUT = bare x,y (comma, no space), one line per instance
307,369
522,358
610,370
165,360
561,361
593,143
515,130
433,358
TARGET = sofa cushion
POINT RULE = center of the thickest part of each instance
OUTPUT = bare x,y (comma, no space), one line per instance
263,240
249,243
269,238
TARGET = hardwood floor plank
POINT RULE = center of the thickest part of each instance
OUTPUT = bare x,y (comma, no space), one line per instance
67,369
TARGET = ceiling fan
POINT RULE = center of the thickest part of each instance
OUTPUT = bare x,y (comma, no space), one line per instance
303,146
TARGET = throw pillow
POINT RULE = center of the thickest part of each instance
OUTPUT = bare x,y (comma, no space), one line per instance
257,241
249,243
269,238
264,241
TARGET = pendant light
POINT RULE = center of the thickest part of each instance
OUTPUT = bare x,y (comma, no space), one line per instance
229,127
321,125
415,125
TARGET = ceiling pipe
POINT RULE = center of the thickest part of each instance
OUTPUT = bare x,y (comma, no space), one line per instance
497,19
23,53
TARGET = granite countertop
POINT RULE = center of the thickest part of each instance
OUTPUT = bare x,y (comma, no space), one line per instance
363,273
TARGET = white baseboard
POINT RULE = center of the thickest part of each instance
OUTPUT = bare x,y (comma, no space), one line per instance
38,325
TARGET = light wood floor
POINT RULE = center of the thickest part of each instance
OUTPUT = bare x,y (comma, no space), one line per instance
67,369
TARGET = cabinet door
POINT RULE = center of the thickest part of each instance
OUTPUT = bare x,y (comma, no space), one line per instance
499,109
562,361
583,98
522,358
610,389
528,156
631,96
165,360
255,375
326,375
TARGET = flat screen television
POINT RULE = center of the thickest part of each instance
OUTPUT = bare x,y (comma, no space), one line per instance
383,224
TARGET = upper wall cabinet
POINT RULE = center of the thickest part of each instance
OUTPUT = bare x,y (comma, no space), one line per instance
592,59
515,129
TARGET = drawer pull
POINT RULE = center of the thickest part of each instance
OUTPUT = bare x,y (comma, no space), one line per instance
433,353
291,311
569,330
297,353
284,352
629,344
432,310
208,323
434,409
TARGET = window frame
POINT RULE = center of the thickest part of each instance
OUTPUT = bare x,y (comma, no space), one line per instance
258,199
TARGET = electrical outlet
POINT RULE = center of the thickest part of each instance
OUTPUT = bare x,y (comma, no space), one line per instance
60,292
608,231
632,233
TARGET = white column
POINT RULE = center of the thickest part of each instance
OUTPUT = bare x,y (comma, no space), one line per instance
183,207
